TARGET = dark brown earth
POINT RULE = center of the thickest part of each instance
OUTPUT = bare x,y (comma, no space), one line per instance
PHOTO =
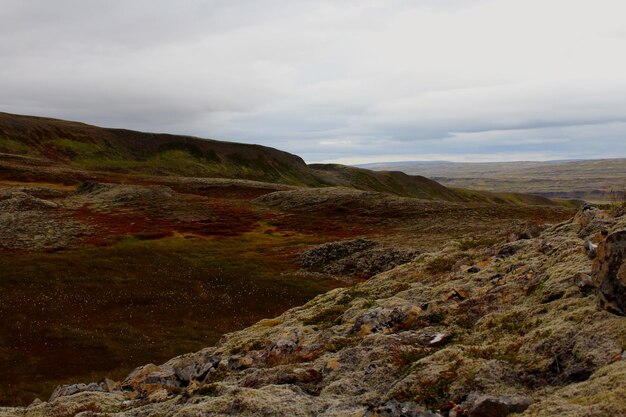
114,253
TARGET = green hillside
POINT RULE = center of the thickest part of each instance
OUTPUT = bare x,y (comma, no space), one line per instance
38,141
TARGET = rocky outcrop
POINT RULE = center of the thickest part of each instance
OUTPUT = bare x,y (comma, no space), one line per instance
318,199
21,201
522,335
28,221
38,192
362,258
490,406
333,251
96,192
609,271
591,222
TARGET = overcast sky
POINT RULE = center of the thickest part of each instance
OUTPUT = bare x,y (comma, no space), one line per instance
348,81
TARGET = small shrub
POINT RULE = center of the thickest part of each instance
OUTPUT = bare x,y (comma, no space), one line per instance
327,317
617,202
430,392
349,295
441,264
257,345
404,359
209,390
436,317
341,343
92,407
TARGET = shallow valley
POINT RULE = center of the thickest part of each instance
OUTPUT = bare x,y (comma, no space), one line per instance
366,293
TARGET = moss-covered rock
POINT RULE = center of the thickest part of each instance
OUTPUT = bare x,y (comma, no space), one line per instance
519,333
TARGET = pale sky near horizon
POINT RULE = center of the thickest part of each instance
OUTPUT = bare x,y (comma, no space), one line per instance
344,81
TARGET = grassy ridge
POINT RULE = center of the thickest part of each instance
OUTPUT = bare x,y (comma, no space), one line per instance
391,182
118,151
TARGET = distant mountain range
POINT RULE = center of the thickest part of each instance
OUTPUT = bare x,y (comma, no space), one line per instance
595,180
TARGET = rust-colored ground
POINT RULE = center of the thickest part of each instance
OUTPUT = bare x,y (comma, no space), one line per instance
148,279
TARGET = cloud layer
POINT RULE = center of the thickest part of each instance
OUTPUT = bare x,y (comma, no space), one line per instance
351,81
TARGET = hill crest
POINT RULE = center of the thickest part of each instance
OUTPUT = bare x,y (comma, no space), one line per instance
79,150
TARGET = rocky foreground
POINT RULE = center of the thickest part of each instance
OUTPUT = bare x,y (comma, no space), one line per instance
533,326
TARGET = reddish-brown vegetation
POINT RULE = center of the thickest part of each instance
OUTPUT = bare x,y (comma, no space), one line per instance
97,281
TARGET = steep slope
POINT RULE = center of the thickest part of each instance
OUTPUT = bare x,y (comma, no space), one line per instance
94,148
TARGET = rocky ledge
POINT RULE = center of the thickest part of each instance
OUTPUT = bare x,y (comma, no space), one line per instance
531,327
358,258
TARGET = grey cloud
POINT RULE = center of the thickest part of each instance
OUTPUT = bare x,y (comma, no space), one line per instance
326,79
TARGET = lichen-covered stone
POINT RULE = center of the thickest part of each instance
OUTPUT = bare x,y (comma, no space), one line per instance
521,332
67,390
609,271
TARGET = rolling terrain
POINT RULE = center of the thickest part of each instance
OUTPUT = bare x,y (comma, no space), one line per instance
118,257
592,180
493,312
35,147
